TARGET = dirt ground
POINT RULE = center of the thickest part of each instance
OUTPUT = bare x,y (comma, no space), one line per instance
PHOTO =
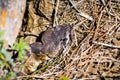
97,53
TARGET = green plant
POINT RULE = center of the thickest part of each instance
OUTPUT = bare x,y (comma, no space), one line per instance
5,58
20,46
6,62
63,78
9,75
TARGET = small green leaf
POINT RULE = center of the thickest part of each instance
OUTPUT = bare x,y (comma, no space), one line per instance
1,33
63,78
2,79
11,76
6,71
20,46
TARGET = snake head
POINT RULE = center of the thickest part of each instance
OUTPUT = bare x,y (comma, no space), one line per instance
36,47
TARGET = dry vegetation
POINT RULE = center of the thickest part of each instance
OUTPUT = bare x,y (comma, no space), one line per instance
97,55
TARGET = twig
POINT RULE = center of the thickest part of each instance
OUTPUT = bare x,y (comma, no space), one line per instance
73,4
55,14
30,34
103,1
85,15
98,24
107,45
80,12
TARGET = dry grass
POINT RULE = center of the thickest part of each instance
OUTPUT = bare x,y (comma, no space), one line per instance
97,55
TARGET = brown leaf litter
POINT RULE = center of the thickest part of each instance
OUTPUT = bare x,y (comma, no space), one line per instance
97,55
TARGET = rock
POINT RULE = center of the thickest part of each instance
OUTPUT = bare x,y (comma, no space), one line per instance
11,15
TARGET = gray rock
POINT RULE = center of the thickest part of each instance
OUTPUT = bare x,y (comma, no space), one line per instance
11,15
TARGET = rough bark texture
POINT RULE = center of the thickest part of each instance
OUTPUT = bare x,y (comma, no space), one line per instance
11,15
